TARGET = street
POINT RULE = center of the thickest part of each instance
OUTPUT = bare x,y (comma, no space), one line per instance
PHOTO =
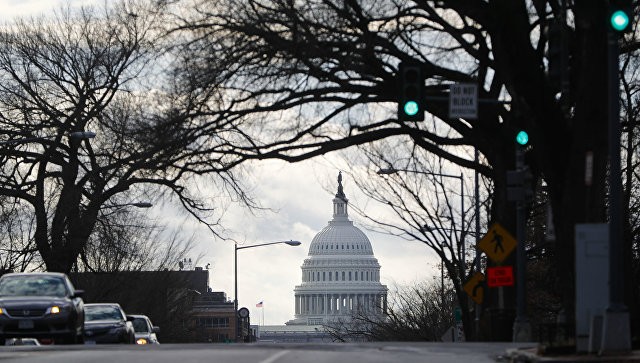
264,353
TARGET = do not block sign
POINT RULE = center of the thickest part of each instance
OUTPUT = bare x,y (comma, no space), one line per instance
500,276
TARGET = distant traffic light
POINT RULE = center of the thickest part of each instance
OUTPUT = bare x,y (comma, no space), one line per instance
522,138
620,15
411,95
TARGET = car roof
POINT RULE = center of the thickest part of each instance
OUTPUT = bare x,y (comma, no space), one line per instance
138,316
57,274
102,304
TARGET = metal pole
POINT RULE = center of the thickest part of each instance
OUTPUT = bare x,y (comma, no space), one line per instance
442,282
616,330
521,326
235,299
477,211
462,237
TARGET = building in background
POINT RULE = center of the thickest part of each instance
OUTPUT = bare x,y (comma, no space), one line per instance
181,302
340,279
212,318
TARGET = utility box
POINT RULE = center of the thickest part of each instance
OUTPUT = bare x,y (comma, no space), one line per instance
592,284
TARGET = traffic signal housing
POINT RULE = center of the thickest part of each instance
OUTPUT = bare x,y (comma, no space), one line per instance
411,95
621,15
520,185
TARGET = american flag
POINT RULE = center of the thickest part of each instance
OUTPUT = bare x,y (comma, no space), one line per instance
259,305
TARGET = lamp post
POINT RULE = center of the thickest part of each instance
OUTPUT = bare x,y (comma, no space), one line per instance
76,135
235,280
392,170
461,257
133,204
115,208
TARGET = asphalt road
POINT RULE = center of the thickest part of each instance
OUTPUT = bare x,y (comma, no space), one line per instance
264,353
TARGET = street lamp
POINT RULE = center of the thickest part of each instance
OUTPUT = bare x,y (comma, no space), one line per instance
115,208
392,170
235,280
133,204
82,135
76,135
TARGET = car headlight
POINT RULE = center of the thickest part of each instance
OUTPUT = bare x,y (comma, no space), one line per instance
142,341
55,309
1,311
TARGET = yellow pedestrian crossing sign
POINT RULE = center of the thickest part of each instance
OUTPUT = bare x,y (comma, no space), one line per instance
498,243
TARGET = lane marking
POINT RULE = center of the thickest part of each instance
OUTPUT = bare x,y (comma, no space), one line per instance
274,357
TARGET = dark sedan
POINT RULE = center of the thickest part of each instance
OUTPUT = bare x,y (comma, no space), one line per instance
107,323
41,305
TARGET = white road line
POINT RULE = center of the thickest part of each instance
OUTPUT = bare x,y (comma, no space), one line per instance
275,357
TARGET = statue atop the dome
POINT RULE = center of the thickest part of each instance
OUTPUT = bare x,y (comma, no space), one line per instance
340,193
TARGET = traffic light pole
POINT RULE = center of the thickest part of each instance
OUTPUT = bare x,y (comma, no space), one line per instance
616,335
521,325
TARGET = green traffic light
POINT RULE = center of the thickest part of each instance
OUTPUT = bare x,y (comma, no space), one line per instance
522,138
619,20
411,108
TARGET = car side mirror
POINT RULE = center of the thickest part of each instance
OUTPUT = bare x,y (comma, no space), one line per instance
78,293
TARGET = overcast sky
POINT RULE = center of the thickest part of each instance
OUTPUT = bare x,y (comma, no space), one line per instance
304,206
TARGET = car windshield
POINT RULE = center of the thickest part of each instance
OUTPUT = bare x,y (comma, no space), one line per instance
102,312
140,325
32,286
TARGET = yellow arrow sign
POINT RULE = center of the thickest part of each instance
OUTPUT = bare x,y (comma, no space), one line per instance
498,243
474,287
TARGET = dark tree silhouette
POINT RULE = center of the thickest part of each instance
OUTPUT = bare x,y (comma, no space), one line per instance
319,76
104,71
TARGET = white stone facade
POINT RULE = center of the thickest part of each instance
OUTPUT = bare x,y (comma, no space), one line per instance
340,276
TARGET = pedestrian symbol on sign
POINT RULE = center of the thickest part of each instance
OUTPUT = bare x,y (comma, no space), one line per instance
498,243
497,238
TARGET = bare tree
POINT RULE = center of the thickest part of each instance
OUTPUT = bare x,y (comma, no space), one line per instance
630,106
17,247
129,241
428,206
103,71
319,76
415,313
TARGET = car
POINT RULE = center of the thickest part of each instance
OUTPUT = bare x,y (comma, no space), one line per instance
107,323
40,305
145,331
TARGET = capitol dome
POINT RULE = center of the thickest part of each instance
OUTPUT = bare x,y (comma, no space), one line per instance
340,276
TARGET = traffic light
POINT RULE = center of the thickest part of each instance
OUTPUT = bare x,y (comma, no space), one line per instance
411,95
620,15
522,138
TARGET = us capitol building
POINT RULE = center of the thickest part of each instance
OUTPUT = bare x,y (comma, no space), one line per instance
340,278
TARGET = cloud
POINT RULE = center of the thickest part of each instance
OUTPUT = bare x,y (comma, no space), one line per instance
304,207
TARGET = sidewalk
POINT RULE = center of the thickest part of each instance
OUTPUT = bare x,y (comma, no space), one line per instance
525,355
